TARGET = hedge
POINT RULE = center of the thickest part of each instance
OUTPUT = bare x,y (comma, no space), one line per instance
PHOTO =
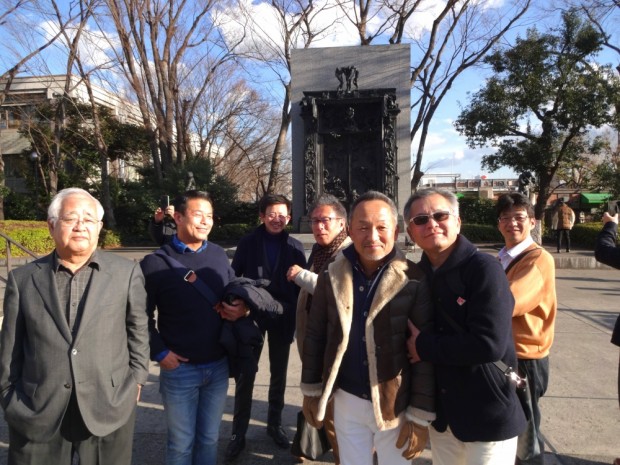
35,236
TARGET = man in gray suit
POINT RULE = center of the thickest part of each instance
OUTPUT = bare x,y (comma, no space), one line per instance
73,345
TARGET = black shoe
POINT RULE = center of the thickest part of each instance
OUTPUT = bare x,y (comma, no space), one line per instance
235,446
279,436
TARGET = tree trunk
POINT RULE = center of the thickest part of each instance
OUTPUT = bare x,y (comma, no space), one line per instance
281,141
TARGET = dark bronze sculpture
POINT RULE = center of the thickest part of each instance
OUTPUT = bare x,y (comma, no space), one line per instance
350,140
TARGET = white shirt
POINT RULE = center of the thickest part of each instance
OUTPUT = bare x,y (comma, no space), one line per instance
506,256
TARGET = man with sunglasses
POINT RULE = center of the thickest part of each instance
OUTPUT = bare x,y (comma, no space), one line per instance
530,269
478,413
267,253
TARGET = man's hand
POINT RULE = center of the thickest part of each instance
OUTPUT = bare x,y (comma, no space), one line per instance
607,218
292,272
171,361
139,392
311,409
411,348
234,311
414,437
158,216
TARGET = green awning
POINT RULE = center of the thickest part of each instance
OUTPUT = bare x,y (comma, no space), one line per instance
592,198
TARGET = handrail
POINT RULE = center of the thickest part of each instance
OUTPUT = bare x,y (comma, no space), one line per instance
10,242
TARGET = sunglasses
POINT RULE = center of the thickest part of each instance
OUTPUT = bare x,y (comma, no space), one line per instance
423,219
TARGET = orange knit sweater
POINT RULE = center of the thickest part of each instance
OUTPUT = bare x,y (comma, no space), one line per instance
532,282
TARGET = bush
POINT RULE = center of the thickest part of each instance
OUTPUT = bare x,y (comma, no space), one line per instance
481,233
33,235
582,235
109,239
474,210
226,233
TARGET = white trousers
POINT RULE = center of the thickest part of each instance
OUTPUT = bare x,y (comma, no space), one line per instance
357,433
448,450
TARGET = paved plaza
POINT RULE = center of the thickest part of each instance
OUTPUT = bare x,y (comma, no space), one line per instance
581,418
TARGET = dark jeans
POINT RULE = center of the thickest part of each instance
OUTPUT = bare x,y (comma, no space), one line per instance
74,438
537,372
563,233
244,385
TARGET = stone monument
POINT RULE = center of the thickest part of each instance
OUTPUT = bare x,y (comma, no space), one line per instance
350,128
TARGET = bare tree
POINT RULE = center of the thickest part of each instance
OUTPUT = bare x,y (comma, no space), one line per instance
459,36
21,51
298,23
161,44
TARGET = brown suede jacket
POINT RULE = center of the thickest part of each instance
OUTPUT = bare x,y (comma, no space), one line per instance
398,388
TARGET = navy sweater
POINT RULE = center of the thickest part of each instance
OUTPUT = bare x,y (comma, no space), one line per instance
186,323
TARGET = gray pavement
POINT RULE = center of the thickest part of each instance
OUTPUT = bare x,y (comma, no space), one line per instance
581,418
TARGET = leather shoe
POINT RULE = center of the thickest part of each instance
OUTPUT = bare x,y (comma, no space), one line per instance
235,446
279,436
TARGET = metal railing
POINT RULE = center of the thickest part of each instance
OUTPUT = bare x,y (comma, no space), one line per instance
11,242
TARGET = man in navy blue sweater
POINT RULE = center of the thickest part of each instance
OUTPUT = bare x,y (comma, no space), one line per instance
184,338
268,253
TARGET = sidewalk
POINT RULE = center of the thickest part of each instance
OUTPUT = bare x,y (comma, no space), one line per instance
581,419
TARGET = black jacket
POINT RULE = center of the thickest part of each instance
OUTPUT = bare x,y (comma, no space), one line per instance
251,261
240,338
473,397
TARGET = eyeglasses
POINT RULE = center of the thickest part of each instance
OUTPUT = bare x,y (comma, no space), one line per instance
274,216
326,221
423,219
510,219
72,221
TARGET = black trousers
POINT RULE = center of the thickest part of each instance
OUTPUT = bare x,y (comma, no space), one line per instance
566,234
74,438
537,372
244,386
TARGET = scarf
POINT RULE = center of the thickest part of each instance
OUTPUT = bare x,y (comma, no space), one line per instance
320,256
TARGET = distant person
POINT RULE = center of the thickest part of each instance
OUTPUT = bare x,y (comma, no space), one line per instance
608,253
73,345
354,350
328,219
185,325
564,219
267,253
162,226
531,273
478,413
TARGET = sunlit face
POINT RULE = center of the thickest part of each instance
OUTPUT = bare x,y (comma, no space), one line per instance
435,236
325,224
76,230
275,218
373,230
194,226
515,225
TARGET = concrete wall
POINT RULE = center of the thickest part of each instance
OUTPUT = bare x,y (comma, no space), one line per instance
379,66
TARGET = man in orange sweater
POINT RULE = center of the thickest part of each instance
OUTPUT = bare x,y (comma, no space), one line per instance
530,269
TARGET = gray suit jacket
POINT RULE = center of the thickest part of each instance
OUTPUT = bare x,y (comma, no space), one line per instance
40,362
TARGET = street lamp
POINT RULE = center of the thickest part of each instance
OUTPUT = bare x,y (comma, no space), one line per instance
34,158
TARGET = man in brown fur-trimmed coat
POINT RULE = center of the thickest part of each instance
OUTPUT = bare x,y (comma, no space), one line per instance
355,344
